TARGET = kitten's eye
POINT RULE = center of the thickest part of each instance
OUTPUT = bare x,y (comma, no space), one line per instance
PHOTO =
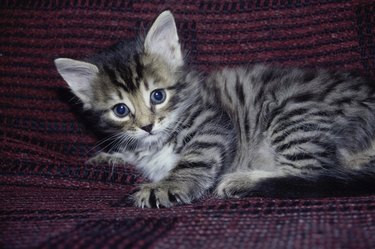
158,96
121,110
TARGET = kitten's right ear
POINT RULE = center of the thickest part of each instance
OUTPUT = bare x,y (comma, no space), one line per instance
80,76
162,39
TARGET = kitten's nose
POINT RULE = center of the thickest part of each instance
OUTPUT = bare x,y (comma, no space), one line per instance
147,128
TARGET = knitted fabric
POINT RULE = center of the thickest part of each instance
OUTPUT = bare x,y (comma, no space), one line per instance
50,199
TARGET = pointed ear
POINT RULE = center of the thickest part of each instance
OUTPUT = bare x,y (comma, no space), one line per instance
80,76
162,39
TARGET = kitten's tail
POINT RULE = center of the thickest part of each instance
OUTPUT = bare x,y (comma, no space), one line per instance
332,183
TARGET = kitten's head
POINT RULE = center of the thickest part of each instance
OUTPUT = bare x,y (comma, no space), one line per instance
134,88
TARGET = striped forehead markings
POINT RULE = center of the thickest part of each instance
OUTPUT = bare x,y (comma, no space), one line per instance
125,78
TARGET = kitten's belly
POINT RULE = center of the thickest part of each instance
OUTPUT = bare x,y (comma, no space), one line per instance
156,165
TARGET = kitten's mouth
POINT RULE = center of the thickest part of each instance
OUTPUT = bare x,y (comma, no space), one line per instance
151,138
150,134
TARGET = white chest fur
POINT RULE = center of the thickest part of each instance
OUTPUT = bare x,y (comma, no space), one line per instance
156,165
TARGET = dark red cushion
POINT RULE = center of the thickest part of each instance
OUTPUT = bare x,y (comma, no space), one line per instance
49,198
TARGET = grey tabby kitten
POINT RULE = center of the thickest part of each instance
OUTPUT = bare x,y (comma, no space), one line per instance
243,131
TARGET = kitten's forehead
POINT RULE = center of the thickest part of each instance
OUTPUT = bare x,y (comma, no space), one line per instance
157,72
143,72
124,74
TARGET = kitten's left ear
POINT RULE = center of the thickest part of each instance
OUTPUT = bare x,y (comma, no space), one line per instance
80,77
162,39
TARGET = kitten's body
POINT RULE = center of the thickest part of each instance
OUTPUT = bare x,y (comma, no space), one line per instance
245,131
301,127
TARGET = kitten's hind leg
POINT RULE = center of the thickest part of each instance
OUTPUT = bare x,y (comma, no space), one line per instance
243,183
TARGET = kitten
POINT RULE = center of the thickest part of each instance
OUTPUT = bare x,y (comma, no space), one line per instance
244,131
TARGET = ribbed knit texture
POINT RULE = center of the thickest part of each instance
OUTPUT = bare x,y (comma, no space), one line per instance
50,199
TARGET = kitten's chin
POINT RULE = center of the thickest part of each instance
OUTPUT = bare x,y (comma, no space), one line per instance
153,140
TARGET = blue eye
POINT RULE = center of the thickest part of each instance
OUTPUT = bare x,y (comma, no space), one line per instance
121,110
158,96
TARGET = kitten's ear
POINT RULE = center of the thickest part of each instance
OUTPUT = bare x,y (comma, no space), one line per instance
162,39
80,76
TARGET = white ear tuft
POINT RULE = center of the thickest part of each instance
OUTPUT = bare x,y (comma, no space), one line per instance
162,39
79,75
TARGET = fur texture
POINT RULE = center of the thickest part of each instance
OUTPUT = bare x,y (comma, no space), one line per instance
248,131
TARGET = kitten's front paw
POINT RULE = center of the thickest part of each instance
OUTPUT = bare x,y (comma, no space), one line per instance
106,158
162,194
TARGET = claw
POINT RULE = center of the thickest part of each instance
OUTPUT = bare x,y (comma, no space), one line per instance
157,204
179,201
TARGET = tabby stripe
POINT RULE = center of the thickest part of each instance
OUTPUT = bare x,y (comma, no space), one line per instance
285,115
313,167
113,78
366,105
247,125
289,144
207,145
239,127
193,115
269,75
219,130
191,134
138,82
172,87
302,132
356,87
331,88
259,95
295,112
271,116
300,122
318,156
179,86
300,141
200,121
257,119
303,128
119,93
128,86
239,90
208,88
196,164
173,102
302,97
314,113
226,91
295,166
299,156
342,101
138,69
186,140
308,76
261,91
282,126
128,78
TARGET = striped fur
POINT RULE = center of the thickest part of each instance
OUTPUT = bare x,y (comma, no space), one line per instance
243,131
299,127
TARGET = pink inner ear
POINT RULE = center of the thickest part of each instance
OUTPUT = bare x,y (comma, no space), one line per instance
162,39
79,76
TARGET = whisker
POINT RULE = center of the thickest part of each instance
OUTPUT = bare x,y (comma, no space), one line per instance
114,137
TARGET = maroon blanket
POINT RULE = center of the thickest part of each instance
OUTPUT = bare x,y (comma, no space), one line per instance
49,198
